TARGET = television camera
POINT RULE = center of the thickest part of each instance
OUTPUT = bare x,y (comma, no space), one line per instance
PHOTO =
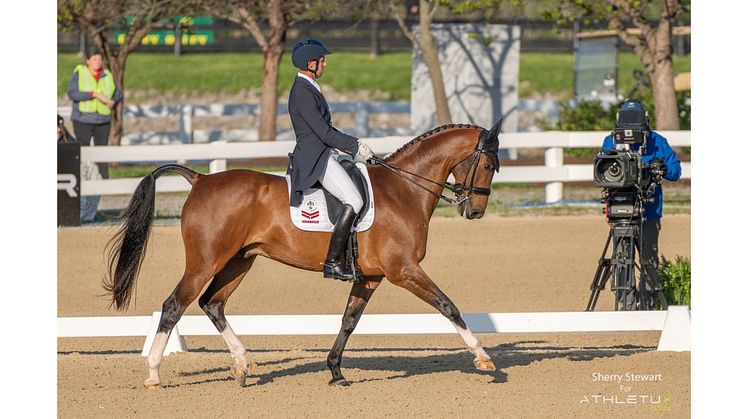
629,185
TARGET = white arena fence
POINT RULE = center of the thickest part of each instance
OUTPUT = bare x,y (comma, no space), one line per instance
674,324
554,172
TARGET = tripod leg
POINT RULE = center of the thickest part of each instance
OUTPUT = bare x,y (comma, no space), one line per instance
624,273
599,283
600,277
662,299
633,296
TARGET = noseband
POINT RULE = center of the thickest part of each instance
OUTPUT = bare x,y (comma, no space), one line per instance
490,150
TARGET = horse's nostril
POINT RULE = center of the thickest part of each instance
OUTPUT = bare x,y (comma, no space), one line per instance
475,214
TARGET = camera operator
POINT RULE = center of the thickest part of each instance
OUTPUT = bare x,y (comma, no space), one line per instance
632,115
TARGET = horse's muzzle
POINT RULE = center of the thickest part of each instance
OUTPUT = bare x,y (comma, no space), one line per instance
468,211
474,214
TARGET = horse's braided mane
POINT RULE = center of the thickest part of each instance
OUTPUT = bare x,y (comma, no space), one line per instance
429,134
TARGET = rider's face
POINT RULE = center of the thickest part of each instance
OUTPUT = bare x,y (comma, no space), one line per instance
321,63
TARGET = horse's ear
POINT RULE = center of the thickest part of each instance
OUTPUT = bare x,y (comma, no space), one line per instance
494,132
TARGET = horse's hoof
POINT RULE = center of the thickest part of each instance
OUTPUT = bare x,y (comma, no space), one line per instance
339,382
239,376
484,364
152,384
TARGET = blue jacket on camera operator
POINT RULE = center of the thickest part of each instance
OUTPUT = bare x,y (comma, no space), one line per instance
657,148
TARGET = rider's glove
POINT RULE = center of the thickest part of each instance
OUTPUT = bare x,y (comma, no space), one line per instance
364,151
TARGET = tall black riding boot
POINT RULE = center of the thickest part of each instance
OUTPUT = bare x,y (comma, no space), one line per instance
333,267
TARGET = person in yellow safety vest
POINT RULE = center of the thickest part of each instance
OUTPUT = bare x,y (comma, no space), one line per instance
94,93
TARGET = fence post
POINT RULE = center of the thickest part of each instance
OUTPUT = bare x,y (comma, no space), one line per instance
375,38
362,116
186,134
218,165
553,157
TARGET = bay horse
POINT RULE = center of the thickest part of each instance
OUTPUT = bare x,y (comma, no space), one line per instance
231,217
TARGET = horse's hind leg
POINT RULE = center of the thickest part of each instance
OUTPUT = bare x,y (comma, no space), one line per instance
359,297
414,279
174,306
213,304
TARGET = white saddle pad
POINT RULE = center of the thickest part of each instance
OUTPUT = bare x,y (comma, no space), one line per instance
312,214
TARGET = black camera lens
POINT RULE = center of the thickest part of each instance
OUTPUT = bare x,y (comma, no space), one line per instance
612,171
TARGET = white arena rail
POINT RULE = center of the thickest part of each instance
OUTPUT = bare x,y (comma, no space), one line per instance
674,324
554,172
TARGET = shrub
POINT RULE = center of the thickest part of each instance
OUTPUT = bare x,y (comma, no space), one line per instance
676,279
586,115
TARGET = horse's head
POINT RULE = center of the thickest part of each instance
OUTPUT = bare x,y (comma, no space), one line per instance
474,173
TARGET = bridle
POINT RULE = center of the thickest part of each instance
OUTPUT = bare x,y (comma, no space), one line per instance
483,147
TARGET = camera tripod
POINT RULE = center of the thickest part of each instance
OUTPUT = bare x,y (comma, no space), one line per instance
622,267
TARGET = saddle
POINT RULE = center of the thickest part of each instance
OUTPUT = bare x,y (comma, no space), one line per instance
334,206
320,209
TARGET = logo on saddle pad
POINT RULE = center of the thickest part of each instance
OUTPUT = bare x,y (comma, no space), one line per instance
313,213
309,212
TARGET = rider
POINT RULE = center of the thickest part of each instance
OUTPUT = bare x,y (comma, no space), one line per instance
316,151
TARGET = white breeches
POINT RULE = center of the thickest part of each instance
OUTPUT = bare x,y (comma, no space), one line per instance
339,184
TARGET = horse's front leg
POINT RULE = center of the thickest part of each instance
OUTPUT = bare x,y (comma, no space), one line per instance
412,278
359,297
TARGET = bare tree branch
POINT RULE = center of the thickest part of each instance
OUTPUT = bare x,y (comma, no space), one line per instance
134,40
432,12
638,43
637,18
402,25
247,20
239,13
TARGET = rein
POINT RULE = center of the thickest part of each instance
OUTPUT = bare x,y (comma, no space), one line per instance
457,188
399,171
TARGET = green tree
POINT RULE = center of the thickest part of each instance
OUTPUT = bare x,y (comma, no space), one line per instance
651,38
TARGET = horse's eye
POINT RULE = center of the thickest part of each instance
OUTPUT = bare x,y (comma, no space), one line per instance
487,166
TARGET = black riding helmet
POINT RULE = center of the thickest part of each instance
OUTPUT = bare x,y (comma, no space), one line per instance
308,50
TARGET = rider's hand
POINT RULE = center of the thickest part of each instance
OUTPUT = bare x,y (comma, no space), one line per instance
364,151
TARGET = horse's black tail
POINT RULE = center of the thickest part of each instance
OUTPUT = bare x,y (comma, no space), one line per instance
126,250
